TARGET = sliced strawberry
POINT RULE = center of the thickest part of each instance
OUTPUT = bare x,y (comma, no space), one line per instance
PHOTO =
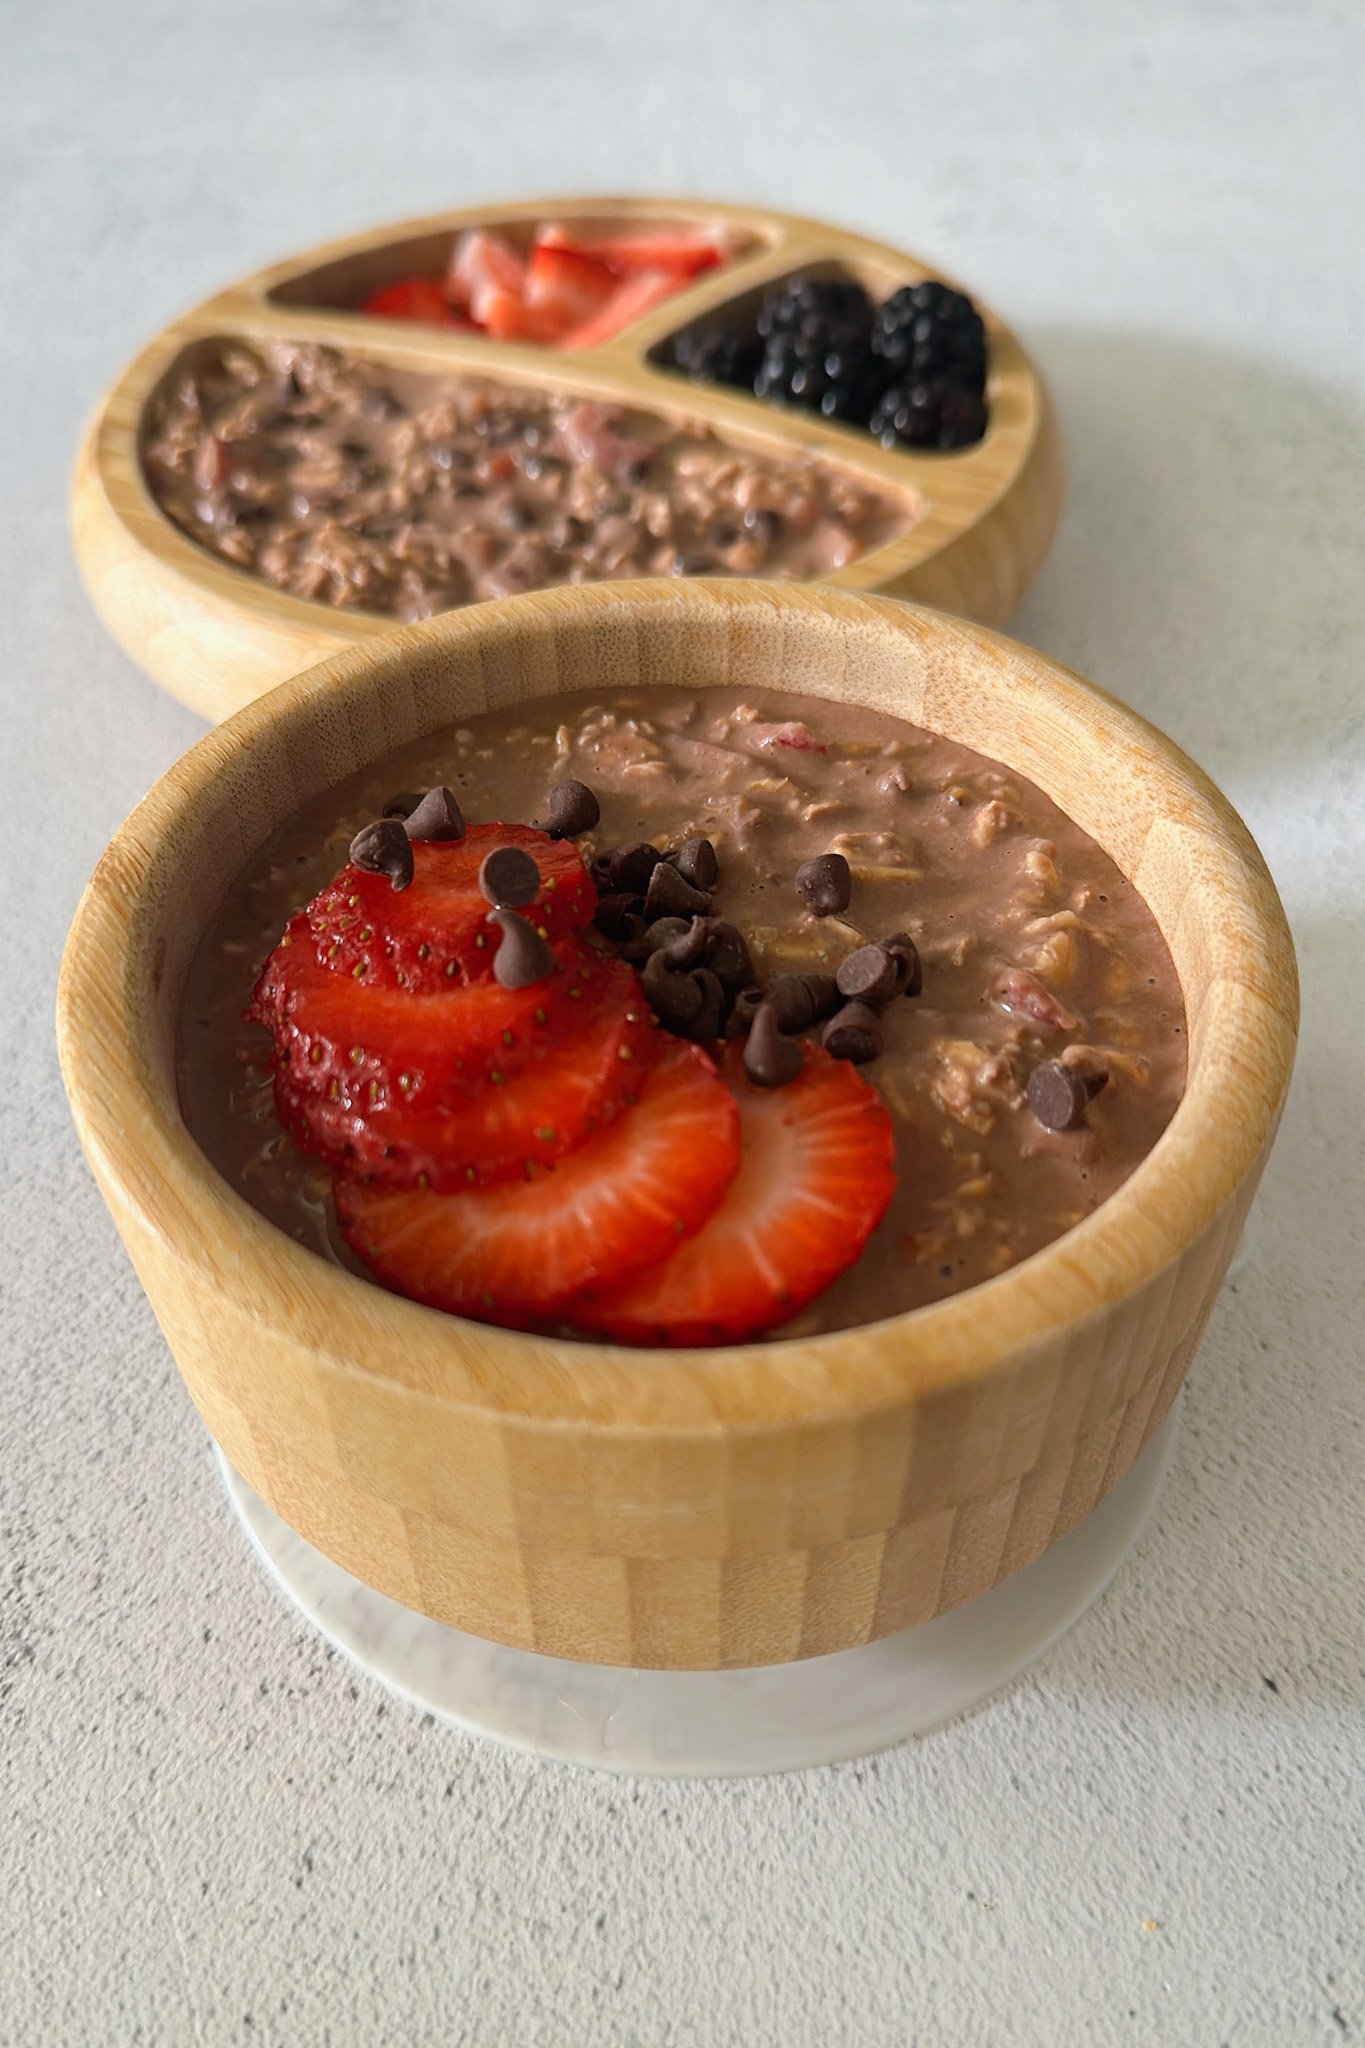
630,301
516,1254
368,1048
412,298
435,931
528,1117
682,251
565,288
814,1182
482,258
507,317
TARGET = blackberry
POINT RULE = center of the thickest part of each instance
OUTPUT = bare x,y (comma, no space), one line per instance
830,300
822,366
718,354
927,330
928,414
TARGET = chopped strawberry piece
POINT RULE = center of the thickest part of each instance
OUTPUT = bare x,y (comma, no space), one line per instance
368,1048
412,298
683,251
435,932
629,302
482,258
516,1254
565,288
815,1177
507,317
529,1116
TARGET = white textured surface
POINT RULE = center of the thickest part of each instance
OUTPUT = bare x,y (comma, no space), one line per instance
213,1832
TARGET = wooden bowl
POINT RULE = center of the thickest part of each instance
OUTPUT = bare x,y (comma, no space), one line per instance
709,1508
216,636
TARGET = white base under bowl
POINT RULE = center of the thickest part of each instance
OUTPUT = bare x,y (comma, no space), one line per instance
717,1724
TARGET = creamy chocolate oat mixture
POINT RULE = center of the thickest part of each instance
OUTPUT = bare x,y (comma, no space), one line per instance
393,491
1037,954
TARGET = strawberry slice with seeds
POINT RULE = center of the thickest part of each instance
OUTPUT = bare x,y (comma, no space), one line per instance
565,288
526,1117
435,932
632,299
516,1254
815,1178
366,1048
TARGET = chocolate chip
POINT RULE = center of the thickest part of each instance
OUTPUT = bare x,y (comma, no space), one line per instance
826,883
675,997
384,849
696,862
570,808
600,871
630,868
508,877
689,945
634,940
868,975
436,817
853,1033
770,1058
1058,1095
909,967
404,804
522,956
800,1000
668,895
613,913
709,1022
667,931
743,1009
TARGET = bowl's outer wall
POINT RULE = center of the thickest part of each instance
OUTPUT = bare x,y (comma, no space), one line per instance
697,1510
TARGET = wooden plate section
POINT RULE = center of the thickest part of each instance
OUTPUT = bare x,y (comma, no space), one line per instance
696,1509
216,636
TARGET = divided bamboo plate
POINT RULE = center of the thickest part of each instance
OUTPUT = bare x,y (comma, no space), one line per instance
216,636
695,1509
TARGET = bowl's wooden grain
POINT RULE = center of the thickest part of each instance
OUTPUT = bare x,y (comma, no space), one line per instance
705,1508
216,636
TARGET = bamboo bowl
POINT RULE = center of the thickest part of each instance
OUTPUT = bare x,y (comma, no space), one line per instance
709,1508
216,636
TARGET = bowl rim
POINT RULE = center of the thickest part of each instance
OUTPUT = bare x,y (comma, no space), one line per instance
155,1176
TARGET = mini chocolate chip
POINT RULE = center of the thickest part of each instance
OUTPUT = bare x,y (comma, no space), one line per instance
689,946
770,1058
675,998
727,954
868,975
696,862
709,1022
826,883
508,877
570,808
824,993
743,1010
436,817
1058,1095
668,895
691,563
667,931
613,914
404,804
631,867
384,849
600,871
909,967
853,1033
522,956
763,524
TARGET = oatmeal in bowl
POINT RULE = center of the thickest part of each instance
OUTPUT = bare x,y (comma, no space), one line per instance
739,1128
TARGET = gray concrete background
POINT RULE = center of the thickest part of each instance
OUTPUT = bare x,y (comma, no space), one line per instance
213,1832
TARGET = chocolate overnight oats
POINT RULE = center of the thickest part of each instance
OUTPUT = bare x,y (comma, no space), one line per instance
681,1017
343,481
